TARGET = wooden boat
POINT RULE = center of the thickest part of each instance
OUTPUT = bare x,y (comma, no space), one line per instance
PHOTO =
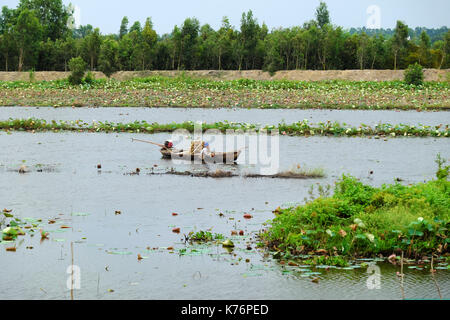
217,157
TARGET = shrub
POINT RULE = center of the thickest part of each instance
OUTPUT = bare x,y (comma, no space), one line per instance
32,75
77,67
414,74
443,171
90,78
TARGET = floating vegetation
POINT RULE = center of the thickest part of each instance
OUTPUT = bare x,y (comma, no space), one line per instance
203,236
301,128
364,221
189,92
290,174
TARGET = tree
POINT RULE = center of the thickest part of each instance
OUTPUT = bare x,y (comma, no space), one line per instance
224,39
67,49
109,57
77,67
83,31
249,38
424,48
274,55
7,43
362,49
92,45
176,47
125,52
189,35
27,33
414,75
137,58
447,46
377,51
322,14
52,15
400,40
149,38
123,27
136,27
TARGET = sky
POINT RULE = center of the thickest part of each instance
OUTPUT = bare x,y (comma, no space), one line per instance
165,14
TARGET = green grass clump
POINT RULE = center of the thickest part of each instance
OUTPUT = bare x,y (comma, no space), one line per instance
204,236
363,221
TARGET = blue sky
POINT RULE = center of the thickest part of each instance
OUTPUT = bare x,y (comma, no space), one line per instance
275,13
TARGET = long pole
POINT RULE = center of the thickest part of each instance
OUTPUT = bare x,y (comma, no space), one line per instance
154,143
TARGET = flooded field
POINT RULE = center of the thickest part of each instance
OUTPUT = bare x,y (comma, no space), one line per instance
263,117
64,187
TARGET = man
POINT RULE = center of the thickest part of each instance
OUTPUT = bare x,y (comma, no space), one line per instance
168,144
206,150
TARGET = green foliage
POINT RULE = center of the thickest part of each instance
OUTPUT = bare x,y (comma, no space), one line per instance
250,46
123,27
300,129
32,75
91,48
52,15
443,171
414,75
27,32
270,94
322,14
89,78
77,67
204,236
360,220
109,57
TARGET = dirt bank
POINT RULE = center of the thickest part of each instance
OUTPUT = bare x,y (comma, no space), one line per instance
300,75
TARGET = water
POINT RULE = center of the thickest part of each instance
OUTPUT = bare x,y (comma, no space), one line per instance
264,117
71,183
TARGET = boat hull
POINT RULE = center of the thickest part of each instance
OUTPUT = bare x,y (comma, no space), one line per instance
218,157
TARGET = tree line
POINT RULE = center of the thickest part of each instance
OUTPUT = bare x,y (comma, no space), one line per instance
37,35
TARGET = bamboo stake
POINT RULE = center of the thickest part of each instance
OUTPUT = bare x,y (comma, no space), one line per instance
402,275
434,279
71,286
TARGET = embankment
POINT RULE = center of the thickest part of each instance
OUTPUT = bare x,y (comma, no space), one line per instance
299,75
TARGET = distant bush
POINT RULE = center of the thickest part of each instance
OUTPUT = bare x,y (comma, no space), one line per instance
32,75
414,74
90,78
77,67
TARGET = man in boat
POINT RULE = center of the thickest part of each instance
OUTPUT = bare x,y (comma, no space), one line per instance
207,151
168,145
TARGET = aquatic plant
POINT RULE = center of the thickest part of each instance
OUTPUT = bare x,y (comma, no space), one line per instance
203,236
363,221
244,93
301,128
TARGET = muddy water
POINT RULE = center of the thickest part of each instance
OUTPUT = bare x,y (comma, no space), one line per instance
265,117
106,245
